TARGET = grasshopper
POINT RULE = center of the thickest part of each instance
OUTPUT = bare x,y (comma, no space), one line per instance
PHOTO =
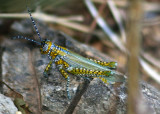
69,62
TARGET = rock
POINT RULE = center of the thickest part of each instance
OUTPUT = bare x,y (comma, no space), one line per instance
6,105
23,66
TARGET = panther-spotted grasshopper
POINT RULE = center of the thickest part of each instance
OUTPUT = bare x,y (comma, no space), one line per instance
70,62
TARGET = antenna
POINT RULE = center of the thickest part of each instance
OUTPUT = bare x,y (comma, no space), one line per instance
34,23
22,37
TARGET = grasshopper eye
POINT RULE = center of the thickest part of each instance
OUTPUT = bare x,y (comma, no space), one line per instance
45,47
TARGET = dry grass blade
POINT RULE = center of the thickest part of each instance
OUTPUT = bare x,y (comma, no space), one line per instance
150,70
100,21
151,59
117,18
147,6
151,22
104,1
49,18
151,7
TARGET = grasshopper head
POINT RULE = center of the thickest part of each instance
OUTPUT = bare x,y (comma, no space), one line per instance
45,46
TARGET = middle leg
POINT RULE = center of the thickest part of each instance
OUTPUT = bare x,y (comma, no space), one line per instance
61,66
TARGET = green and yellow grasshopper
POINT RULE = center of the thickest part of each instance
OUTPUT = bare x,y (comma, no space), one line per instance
70,62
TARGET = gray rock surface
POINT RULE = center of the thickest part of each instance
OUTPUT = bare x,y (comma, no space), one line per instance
6,105
23,65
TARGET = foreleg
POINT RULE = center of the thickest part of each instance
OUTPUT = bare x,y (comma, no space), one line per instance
48,67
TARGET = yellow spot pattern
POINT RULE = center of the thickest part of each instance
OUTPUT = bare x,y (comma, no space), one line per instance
61,62
53,55
109,64
64,73
103,79
77,71
48,66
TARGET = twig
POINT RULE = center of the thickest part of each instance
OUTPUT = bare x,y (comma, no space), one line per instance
134,38
38,90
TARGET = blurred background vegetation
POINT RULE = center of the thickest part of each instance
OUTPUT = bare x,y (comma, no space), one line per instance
99,23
